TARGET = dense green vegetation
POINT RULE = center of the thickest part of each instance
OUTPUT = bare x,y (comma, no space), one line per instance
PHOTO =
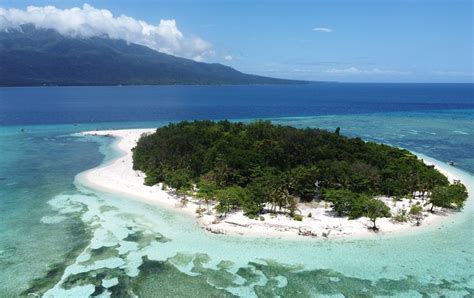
250,166
449,196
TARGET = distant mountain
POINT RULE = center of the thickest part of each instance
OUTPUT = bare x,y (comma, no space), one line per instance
35,57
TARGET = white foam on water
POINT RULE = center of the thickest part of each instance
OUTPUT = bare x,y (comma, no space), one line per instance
281,281
107,283
53,219
80,291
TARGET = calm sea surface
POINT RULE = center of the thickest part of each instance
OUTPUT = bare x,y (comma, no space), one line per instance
58,235
54,105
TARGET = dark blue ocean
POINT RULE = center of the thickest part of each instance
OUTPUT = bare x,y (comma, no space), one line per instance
55,105
51,224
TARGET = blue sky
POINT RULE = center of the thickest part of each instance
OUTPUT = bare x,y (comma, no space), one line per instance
350,41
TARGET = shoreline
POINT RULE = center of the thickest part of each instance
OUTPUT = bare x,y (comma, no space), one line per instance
117,176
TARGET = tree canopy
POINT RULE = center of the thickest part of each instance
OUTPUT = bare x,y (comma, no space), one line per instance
249,165
449,196
374,209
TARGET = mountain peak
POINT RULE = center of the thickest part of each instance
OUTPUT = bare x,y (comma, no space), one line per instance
32,57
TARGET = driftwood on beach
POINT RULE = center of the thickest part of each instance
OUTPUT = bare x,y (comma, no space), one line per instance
236,223
214,229
306,231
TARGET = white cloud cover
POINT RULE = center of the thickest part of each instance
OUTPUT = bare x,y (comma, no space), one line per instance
322,29
357,71
88,21
228,58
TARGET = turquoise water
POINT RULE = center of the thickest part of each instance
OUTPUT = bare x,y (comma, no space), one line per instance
59,237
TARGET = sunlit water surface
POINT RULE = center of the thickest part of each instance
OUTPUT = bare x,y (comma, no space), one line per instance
59,237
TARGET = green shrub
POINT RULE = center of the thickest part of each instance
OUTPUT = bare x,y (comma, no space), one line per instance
200,211
416,209
401,217
298,217
374,209
450,196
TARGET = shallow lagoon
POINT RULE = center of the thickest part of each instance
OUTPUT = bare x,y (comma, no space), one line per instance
59,236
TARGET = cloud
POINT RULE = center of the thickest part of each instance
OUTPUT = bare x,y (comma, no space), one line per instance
228,58
89,21
357,71
453,73
322,29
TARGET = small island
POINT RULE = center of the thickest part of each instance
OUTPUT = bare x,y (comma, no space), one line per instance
269,179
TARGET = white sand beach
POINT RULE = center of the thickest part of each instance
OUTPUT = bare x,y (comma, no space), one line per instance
118,176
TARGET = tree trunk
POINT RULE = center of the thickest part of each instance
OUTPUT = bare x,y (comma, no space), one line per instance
374,227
